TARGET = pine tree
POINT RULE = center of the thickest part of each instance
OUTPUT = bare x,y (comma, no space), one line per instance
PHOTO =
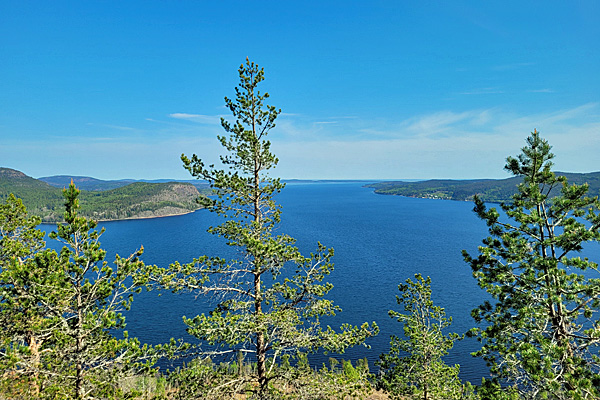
414,365
541,333
29,275
271,298
95,295
59,312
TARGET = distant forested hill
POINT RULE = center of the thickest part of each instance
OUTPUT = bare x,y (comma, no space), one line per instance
490,190
93,184
135,200
85,182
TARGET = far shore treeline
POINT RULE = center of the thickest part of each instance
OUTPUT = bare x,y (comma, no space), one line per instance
488,190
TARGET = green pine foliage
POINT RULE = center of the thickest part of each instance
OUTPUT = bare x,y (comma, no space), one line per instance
59,312
271,299
29,277
414,365
540,334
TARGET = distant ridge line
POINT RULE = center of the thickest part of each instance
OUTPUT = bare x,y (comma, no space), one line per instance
489,190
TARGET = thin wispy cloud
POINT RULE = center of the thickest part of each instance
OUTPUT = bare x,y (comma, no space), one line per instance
541,91
447,123
586,110
117,127
444,144
184,115
435,123
198,118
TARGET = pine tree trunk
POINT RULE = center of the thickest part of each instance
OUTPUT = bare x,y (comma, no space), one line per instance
261,362
79,393
34,348
261,348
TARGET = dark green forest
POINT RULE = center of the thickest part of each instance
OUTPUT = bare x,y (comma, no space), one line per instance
134,200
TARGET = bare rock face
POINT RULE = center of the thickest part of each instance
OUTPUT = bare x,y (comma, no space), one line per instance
167,199
11,173
173,199
180,192
161,212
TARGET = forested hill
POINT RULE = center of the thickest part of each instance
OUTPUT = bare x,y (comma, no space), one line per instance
93,184
135,200
490,190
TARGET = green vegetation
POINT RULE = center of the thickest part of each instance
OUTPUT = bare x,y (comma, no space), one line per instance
541,333
488,190
59,311
414,365
136,200
86,183
202,379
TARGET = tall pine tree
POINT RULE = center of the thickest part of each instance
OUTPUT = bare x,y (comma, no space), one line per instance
541,333
271,298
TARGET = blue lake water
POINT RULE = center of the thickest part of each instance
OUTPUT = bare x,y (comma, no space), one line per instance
379,242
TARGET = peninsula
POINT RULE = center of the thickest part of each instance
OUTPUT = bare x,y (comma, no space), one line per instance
126,200
489,190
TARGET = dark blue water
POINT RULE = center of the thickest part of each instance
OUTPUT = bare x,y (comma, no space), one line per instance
379,242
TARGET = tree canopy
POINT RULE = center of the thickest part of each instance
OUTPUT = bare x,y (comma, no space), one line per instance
59,312
541,332
414,365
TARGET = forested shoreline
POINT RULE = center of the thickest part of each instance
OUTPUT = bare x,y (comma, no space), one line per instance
132,201
488,190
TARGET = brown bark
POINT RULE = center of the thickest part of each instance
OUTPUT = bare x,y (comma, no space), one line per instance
79,392
34,348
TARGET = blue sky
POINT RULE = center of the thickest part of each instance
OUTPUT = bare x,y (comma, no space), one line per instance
369,90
